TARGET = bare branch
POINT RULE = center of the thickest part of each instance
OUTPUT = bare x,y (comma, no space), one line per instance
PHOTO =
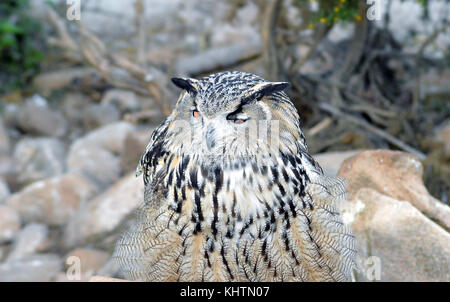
393,140
115,68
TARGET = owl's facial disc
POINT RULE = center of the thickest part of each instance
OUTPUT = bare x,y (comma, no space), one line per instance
227,118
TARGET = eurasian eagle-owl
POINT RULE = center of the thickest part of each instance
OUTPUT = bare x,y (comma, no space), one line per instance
231,193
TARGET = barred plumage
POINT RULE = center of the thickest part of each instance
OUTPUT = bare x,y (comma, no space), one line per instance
226,202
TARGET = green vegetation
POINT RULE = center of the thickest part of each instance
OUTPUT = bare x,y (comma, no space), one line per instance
19,44
332,11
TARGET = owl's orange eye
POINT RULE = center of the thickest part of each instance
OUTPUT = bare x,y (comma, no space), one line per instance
195,113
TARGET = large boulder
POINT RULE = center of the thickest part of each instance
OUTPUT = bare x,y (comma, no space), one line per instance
38,119
38,158
408,245
52,201
395,174
96,155
400,237
105,213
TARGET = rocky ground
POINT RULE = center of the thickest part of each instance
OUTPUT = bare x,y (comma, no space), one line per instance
61,198
68,153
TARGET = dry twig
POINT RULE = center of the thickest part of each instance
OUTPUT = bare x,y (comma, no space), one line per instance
268,34
393,140
115,68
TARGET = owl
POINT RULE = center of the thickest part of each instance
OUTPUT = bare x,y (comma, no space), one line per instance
231,193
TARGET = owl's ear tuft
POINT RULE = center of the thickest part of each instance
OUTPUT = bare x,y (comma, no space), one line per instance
260,90
273,87
190,85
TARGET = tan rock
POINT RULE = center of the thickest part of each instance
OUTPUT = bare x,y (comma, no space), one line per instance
9,223
47,82
106,212
395,174
52,201
408,245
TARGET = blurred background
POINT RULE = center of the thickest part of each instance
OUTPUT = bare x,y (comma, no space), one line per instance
84,83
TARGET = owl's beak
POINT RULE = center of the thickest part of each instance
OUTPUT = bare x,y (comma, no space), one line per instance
210,137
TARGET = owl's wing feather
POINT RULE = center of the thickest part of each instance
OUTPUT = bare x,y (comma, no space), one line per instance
146,240
333,236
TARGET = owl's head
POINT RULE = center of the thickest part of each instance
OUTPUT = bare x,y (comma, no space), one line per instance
233,115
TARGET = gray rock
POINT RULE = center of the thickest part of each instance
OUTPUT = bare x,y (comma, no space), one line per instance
227,34
4,139
125,100
95,116
218,56
248,13
96,154
39,158
111,138
37,268
106,212
11,114
331,161
9,223
32,238
41,120
7,170
73,106
52,201
99,165
3,252
4,191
